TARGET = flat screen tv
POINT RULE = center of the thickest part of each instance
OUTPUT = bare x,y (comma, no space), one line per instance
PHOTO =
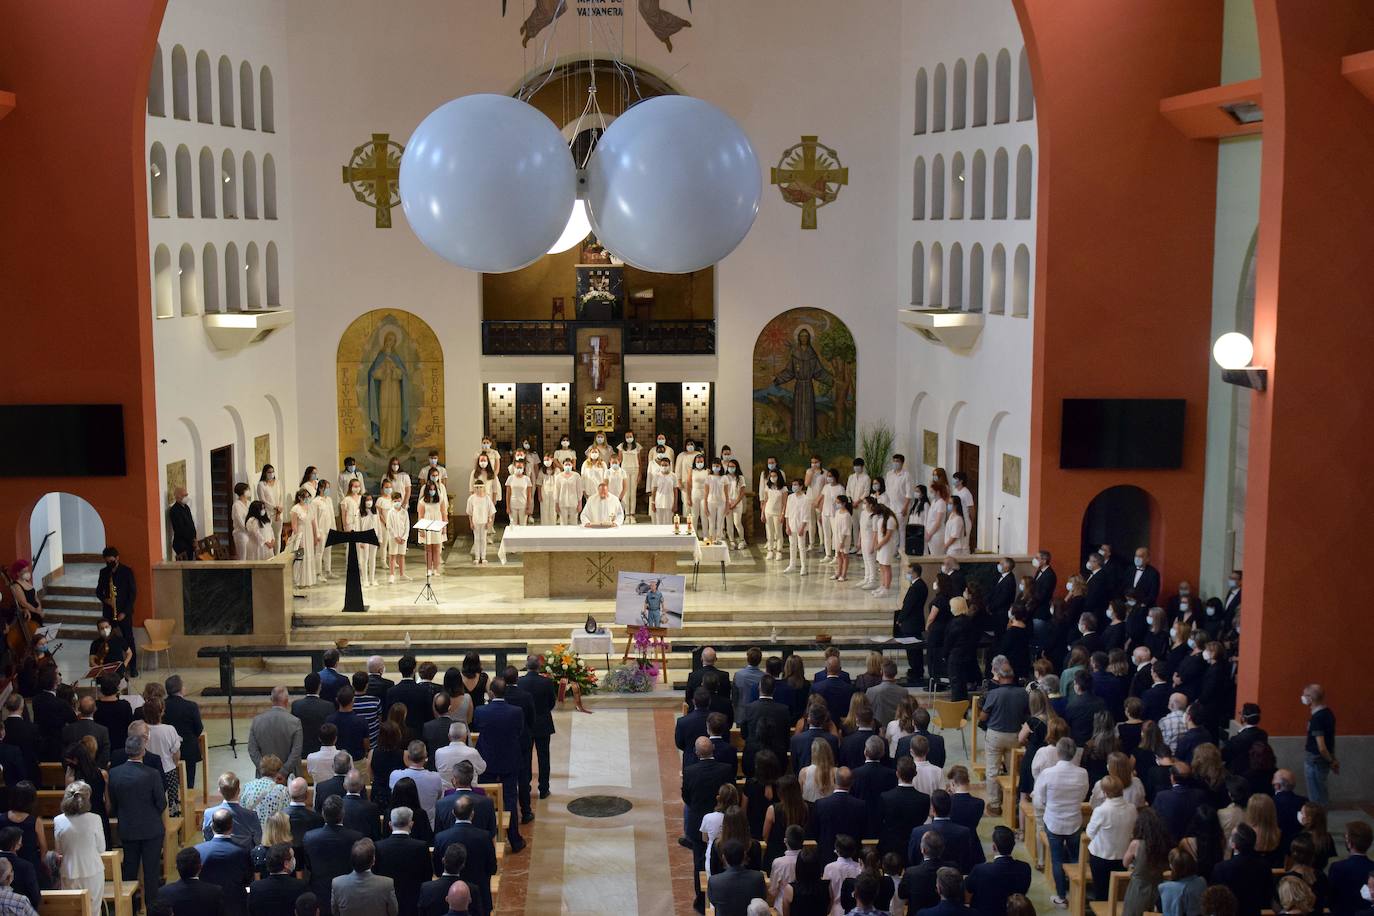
1126,433
63,440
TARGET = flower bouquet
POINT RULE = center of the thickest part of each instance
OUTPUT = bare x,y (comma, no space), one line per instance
631,679
570,673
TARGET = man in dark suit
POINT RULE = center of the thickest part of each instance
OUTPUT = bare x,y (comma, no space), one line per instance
12,761
22,735
184,715
917,885
853,746
226,864
189,894
23,878
183,526
50,715
1195,735
1083,707
800,744
499,726
718,730
921,719
731,891
765,723
1230,604
698,675
516,696
1088,636
416,696
480,861
1349,875
991,883
360,814
966,809
903,809
483,808
432,898
1002,595
334,785
303,818
1098,587
330,682
959,840
871,781
276,894
1235,753
834,689
312,710
1245,873
118,608
1114,568
378,684
688,728
949,884
435,731
405,860
330,849
545,695
1144,578
84,725
700,783
838,813
1042,586
1177,806
1155,700
910,620
138,797
1287,803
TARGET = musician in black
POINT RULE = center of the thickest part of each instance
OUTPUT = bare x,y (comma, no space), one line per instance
109,647
119,606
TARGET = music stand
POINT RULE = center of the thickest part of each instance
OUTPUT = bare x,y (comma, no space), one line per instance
99,671
425,524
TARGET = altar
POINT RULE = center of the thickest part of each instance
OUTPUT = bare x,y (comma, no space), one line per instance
564,561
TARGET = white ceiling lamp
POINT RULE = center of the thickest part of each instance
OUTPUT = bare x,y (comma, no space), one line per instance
576,230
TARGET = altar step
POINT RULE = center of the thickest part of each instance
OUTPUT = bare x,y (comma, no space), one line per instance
74,608
548,633
572,616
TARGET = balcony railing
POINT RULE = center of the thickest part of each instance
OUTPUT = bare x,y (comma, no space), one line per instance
557,338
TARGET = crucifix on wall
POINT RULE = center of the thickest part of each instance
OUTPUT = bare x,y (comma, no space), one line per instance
599,360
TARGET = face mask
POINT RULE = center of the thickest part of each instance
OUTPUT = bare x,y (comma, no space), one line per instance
482,463
830,480
1232,583
486,444
629,438
715,469
615,465
1207,657
314,476
699,465
519,472
1306,700
1035,562
567,467
368,505
395,467
1021,587
1366,894
1139,563
874,490
772,465
1130,602
1082,630
271,475
525,445
563,442
1192,643
796,489
1011,615
548,462
1211,611
104,634
1173,632
1183,605
600,440
725,454
691,447
386,491
432,491
1069,589
349,468
1105,551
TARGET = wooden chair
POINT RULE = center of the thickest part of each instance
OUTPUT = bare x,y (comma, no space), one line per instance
1035,841
1079,878
48,803
45,824
497,796
159,630
1008,784
66,903
978,768
950,714
119,894
1116,895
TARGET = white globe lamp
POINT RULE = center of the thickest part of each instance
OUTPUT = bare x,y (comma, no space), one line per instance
576,230
1233,350
487,182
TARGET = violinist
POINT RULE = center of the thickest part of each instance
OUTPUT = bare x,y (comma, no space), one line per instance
108,648
116,592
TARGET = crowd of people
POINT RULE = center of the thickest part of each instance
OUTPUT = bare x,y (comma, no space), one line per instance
840,799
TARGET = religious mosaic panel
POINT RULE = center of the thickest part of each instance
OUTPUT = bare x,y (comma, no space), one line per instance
598,370
643,410
664,24
809,176
805,366
930,448
696,414
501,413
556,410
390,378
262,451
176,477
1011,475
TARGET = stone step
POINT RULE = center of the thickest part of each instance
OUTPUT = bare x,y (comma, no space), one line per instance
521,617
496,632
68,606
85,591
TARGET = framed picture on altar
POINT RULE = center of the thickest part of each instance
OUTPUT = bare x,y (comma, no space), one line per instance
598,418
649,599
599,375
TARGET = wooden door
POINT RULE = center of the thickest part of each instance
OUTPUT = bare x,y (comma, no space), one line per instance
968,463
221,498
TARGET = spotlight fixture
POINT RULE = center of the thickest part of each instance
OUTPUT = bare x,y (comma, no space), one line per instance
1233,352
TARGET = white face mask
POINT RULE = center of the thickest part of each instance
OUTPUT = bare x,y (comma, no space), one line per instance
1035,561
519,472
486,445
395,468
629,438
563,442
661,440
386,491
1366,894
600,440
1233,583
1306,700
691,447
615,465
1211,611
482,463
271,475
1173,632
1130,602
1139,562
1183,605
548,462
795,488
772,465
433,462
1206,656
567,467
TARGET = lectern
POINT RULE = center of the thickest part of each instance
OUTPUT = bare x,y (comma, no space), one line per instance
353,581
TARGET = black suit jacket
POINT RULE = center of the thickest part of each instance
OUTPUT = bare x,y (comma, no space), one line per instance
334,785
195,896
228,865
1079,713
184,715
1099,592
183,529
1250,879
902,810
74,731
1042,590
303,820
329,849
852,748
545,696
959,842
1235,753
686,730
435,736
696,677
836,692
839,813
800,746
872,781
483,811
138,797
274,895
731,891
917,886
22,734
363,816
13,765
1287,805
377,686
1176,806
1000,600
432,900
419,709
480,864
312,711
937,747
966,810
700,783
405,860
50,716
1147,587
911,618
991,883
1156,701
765,723
519,698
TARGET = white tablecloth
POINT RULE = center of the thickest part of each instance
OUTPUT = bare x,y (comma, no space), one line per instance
576,539
711,553
584,643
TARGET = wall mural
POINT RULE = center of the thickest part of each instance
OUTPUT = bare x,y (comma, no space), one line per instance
662,23
809,175
804,387
372,173
390,371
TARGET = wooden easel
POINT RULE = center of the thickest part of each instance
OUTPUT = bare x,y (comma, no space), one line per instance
658,635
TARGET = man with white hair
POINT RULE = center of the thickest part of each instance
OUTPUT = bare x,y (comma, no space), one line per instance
377,684
1142,658
1005,709
1172,726
275,731
758,907
1058,795
447,757
694,680
17,904
404,859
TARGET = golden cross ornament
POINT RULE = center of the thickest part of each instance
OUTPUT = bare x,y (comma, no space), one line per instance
809,175
372,172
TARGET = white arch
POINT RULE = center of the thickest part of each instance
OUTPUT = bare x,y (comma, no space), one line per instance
226,91
951,435
957,180
935,277
157,89
267,102
269,187
164,299
247,107
240,444
252,263
939,93
195,466
980,91
1020,283
228,177
279,423
978,209
205,90
232,281
181,91
956,276
975,278
922,101
1024,182
1001,108
209,263
157,179
918,188
999,184
916,446
990,482
208,191
250,186
937,187
273,277
186,204
1025,92
918,273
188,281
997,281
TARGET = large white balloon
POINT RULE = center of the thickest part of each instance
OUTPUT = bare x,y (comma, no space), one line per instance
487,182
673,185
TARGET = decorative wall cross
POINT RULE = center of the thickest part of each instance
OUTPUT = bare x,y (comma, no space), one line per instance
372,172
809,175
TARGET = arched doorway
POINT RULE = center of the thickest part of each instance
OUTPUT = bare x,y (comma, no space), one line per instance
1122,516
68,563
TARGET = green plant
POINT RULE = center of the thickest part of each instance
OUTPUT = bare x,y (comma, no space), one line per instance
875,445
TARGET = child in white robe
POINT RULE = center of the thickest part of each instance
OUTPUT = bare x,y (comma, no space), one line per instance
829,491
714,509
664,489
324,523
518,488
734,505
269,493
798,519
548,492
774,501
568,490
696,502
396,518
238,516
481,512
840,529
303,539
433,507
369,520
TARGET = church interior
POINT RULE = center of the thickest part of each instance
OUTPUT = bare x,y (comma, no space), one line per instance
645,339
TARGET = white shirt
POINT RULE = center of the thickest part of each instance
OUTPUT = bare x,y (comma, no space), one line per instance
928,777
238,512
828,494
898,489
965,497
1059,793
320,764
447,758
602,510
346,478
857,486
835,873
1110,828
480,509
798,511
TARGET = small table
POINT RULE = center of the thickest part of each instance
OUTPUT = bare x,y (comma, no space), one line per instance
710,553
584,643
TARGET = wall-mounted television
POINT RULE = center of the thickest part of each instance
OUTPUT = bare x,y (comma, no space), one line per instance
62,440
1125,433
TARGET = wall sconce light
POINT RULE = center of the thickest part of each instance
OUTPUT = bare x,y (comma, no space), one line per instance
1233,352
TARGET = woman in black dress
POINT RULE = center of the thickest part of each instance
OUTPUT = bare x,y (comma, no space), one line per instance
474,679
1016,640
789,809
405,794
938,618
33,846
809,893
760,790
389,756
961,649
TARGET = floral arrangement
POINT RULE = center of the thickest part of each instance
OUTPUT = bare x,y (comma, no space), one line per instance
569,671
631,679
597,295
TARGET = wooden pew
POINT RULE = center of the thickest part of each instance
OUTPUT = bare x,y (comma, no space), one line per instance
119,894
1008,784
66,903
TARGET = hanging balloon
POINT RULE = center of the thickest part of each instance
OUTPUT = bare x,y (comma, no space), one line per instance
673,185
487,182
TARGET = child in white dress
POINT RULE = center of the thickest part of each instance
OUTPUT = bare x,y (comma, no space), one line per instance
664,488
433,507
303,539
548,493
518,494
695,494
774,499
568,487
369,520
829,491
324,523
840,528
884,547
870,580
715,502
481,512
798,512
734,505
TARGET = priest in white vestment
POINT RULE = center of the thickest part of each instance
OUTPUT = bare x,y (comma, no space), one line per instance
602,510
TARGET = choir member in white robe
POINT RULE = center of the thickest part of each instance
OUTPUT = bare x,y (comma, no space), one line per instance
568,492
856,488
492,455
262,542
602,448
433,507
548,492
563,453
663,490
485,471
395,518
432,464
310,480
369,520
400,482
629,462
829,492
656,454
303,539
901,491
269,493
965,495
798,517
238,517
956,532
525,452
324,523
682,470
714,510
937,513
481,513
350,473
619,483
350,505
735,492
602,509
770,466
867,548
518,488
813,482
773,499
593,472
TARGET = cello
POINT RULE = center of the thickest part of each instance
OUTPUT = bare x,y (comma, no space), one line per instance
19,634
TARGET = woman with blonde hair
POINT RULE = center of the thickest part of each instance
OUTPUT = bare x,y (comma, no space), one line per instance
1057,727
873,673
275,829
818,777
1109,833
1295,897
1122,768
859,709
165,742
1263,818
904,725
735,826
1210,774
79,837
